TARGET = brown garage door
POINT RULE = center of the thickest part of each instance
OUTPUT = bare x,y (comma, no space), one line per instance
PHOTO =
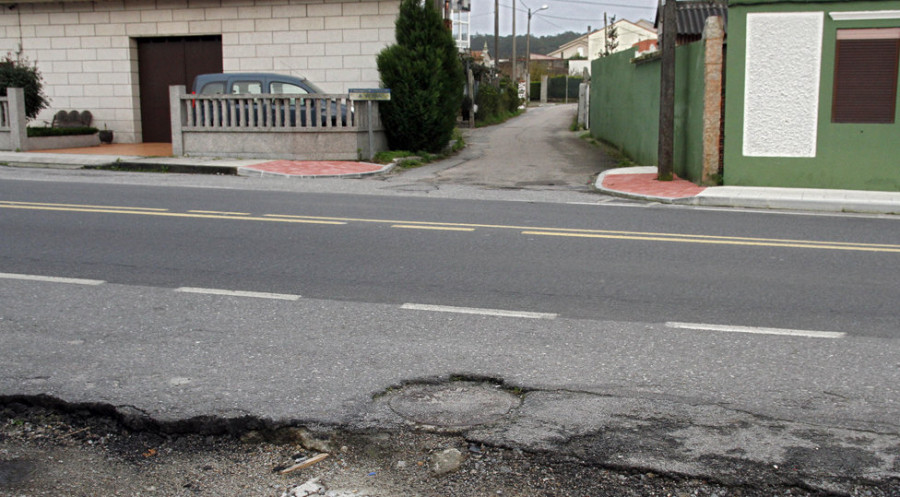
171,61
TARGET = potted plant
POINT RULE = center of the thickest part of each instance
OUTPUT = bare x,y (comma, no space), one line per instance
106,135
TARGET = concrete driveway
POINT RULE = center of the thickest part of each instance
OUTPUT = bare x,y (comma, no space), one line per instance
533,151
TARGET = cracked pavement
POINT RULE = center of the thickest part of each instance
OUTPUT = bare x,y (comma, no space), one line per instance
632,396
152,363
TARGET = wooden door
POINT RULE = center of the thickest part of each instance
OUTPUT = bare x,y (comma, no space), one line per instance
163,62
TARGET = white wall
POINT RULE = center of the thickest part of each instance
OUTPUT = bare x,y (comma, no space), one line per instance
577,67
781,87
87,52
628,34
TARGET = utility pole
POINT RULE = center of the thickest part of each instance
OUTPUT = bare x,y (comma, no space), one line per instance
528,56
497,39
513,60
667,94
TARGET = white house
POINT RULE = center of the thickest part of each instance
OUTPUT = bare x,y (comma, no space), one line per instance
117,58
575,48
628,34
592,45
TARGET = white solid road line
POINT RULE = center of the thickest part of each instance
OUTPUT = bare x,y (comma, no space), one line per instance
50,279
238,293
482,312
757,330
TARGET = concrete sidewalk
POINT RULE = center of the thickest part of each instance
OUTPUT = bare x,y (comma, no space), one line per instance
634,182
240,167
640,183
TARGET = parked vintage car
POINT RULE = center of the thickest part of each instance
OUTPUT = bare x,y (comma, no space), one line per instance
270,84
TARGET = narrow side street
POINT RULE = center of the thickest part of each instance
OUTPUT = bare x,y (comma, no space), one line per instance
535,151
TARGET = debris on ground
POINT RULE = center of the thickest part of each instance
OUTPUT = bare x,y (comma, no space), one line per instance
50,453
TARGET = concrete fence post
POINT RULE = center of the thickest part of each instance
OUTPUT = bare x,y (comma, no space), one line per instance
584,104
713,39
545,83
18,134
175,109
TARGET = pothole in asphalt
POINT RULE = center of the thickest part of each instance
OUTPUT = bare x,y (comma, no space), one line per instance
453,405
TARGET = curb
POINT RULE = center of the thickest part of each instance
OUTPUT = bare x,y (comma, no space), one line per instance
248,171
598,185
781,198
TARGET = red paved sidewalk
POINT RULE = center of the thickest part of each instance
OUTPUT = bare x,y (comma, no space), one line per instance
315,168
647,184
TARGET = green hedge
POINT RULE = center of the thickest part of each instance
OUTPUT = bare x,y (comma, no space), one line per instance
48,131
493,103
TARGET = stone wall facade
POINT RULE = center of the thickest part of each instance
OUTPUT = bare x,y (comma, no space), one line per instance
87,51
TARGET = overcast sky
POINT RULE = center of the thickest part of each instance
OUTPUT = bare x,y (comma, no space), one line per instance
563,15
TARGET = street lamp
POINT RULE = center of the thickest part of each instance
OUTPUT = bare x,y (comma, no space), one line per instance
528,54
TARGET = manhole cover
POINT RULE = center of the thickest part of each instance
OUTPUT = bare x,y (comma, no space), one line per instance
453,405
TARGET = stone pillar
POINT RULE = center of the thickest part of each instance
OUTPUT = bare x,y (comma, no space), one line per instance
18,134
175,109
545,83
713,39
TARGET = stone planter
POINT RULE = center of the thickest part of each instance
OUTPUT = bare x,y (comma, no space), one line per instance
54,142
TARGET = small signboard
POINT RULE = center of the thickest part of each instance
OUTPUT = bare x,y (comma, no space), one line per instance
523,94
381,94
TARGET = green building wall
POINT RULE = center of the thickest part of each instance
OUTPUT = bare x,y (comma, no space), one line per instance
625,107
847,156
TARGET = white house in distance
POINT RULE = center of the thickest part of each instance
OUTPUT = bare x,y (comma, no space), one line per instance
575,48
592,45
117,58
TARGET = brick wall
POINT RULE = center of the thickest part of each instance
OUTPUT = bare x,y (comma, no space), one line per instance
88,56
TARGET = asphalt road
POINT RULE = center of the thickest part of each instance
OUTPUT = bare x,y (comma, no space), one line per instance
739,346
816,273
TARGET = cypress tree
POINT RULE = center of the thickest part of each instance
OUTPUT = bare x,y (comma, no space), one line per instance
426,80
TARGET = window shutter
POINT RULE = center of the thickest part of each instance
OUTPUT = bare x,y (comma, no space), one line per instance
865,80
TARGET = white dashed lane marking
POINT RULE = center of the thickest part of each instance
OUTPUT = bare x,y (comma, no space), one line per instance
483,312
756,330
50,279
238,293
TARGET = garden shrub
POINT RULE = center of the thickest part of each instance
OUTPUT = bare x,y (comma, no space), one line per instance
20,73
426,80
48,131
488,101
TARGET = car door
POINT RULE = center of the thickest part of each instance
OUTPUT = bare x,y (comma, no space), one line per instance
249,86
296,90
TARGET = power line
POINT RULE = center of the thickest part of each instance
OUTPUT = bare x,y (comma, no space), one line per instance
606,4
573,18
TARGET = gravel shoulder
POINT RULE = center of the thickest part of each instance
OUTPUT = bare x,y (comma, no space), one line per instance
45,452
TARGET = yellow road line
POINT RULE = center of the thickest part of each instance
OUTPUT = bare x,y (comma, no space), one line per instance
220,212
151,209
440,228
529,230
723,241
577,231
170,214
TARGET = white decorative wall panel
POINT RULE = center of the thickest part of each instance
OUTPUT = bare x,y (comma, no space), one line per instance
781,85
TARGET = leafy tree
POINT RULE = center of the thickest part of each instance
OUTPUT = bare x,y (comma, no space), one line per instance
426,80
610,37
18,72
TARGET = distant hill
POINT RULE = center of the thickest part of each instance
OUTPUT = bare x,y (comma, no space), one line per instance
539,44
